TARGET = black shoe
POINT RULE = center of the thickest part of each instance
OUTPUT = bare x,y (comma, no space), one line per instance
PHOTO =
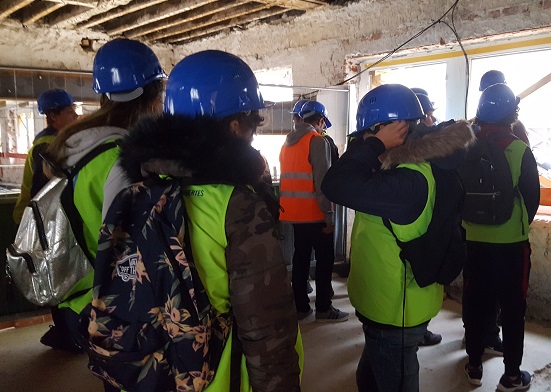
520,383
496,348
474,374
430,339
54,339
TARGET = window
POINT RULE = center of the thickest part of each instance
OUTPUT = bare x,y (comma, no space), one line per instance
521,71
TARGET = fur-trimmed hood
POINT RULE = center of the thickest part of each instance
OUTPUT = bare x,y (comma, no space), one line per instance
196,149
444,145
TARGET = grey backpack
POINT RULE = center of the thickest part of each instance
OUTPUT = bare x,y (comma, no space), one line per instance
49,255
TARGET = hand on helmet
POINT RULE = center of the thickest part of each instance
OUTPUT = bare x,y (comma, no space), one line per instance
393,134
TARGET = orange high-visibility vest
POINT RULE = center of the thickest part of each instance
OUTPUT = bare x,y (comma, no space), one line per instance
297,194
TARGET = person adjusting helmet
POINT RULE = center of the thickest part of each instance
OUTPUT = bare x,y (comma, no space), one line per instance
387,103
298,105
123,67
496,103
491,77
212,83
312,107
396,184
54,99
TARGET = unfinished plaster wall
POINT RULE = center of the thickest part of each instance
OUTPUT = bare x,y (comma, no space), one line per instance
316,44
53,48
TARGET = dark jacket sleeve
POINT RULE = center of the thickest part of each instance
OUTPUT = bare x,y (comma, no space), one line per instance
529,184
39,178
261,295
356,181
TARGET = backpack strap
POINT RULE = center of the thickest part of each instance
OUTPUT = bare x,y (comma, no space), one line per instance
237,348
387,224
67,196
90,156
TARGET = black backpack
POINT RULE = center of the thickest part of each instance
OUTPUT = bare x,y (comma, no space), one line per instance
486,176
438,256
150,326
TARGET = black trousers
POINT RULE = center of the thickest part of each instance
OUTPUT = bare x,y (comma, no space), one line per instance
66,322
496,272
308,236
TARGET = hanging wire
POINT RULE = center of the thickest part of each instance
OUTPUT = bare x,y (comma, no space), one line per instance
439,20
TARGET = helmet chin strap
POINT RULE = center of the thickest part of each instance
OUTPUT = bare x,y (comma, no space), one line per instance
126,96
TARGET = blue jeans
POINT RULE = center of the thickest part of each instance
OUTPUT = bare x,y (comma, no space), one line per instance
380,367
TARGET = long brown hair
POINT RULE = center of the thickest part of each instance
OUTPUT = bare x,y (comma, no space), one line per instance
110,113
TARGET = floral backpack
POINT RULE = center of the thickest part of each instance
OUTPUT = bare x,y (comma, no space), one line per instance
150,326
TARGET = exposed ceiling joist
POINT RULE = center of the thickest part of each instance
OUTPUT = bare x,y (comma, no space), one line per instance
8,7
239,21
38,11
169,21
119,12
173,25
156,14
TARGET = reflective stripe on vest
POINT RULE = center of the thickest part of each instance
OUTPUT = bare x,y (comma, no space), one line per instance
296,189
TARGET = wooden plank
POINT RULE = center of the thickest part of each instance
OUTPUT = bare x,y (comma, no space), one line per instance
79,14
8,7
164,28
540,83
243,20
120,12
154,14
302,5
38,11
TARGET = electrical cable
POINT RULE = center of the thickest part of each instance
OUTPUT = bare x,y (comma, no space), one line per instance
452,8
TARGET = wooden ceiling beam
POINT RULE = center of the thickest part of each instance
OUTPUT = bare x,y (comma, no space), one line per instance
155,14
120,11
82,3
8,7
243,20
39,11
301,5
81,14
166,25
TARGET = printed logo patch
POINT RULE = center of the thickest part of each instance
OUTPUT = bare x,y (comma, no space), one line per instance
126,268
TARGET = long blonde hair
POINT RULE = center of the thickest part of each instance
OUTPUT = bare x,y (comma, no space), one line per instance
110,113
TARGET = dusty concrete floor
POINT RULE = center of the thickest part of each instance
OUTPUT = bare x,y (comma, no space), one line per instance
331,355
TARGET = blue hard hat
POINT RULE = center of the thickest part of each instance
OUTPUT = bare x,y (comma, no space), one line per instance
54,99
491,77
388,102
496,102
122,68
311,107
298,106
418,90
425,102
212,83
